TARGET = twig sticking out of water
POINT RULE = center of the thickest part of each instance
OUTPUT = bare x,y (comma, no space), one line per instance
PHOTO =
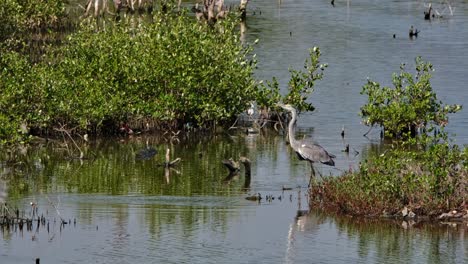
56,208
169,163
368,131
246,162
232,165
66,132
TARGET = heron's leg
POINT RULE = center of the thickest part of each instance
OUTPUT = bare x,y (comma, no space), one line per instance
312,174
320,174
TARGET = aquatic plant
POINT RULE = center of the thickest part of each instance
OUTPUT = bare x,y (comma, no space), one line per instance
425,173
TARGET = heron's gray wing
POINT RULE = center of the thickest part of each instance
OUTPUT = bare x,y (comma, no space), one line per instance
315,153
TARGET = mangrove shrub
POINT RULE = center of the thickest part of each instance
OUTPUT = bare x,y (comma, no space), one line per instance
407,107
300,85
18,18
173,71
165,73
429,181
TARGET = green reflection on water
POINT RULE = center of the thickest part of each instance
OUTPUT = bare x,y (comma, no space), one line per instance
391,241
111,166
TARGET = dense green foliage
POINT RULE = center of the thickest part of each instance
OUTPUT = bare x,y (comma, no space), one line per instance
9,19
166,73
409,106
18,96
42,13
18,17
171,69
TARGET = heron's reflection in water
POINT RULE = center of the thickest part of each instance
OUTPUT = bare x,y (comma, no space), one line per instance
305,221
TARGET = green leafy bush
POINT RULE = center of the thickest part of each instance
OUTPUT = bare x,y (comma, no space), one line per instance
166,73
19,17
409,106
427,174
42,14
19,102
300,85
10,19
29,26
429,181
171,71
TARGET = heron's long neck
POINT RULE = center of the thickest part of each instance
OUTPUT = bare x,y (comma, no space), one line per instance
292,140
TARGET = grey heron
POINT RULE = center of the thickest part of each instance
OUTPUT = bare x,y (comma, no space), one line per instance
305,149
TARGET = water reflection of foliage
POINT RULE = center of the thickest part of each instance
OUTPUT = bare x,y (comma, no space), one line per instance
398,241
112,169
161,217
110,166
372,149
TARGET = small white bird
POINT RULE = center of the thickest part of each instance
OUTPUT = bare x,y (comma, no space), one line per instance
251,110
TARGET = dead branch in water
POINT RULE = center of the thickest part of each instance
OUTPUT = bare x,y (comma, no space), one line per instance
168,163
211,11
56,208
232,165
234,169
68,133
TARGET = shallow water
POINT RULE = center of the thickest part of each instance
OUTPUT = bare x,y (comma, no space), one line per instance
134,211
122,210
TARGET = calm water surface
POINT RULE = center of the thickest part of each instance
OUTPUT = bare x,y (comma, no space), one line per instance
134,211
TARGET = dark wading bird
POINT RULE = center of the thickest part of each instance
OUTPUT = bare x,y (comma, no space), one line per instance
305,149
